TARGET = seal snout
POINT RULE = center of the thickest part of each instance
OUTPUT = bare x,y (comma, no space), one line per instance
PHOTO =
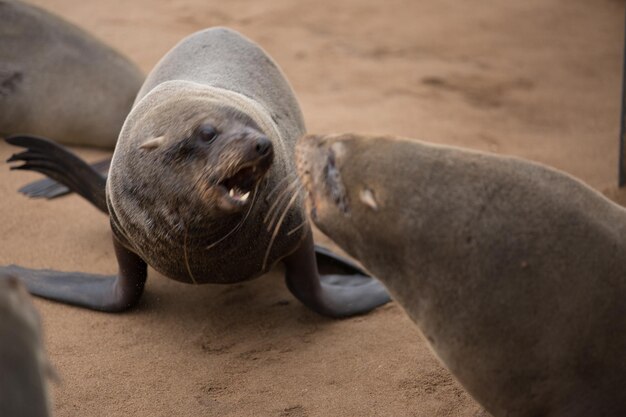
263,146
318,160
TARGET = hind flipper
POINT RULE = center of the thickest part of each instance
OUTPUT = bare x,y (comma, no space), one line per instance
50,189
109,293
58,163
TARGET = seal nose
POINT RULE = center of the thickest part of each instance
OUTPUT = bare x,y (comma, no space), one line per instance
263,146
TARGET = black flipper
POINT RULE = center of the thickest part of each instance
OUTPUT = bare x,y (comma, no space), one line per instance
109,293
58,163
344,295
49,189
329,262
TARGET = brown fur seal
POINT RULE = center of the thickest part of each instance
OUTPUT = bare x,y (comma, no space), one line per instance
514,272
202,185
58,81
24,368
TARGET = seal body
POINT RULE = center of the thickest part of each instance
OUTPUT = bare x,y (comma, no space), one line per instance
58,81
515,273
23,365
160,192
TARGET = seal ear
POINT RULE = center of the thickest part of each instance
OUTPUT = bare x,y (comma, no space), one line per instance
367,197
152,143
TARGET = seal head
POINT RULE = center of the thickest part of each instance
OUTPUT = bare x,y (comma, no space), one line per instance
341,195
193,164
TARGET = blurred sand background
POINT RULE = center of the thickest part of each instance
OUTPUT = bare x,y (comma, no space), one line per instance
539,79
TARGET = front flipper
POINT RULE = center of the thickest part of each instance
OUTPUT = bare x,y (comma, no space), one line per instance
53,160
49,189
329,262
331,295
108,293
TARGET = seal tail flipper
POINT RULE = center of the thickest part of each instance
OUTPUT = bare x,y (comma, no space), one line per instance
58,163
49,189
109,293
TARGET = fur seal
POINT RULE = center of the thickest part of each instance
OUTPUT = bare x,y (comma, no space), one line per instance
514,272
58,81
202,185
24,368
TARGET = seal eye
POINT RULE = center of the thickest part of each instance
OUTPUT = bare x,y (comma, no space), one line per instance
207,133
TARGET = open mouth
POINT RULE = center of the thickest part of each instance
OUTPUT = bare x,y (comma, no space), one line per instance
239,186
237,189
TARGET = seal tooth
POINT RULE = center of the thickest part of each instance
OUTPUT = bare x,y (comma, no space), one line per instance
245,196
231,192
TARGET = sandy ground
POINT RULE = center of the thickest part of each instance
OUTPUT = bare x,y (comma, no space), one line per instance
539,79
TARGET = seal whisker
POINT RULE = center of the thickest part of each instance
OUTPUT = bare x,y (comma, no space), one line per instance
277,228
280,183
187,257
298,188
273,212
290,178
298,227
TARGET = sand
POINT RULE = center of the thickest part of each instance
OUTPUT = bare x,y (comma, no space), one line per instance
538,79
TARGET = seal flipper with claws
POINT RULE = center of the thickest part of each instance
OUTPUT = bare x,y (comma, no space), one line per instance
61,165
50,189
98,292
202,151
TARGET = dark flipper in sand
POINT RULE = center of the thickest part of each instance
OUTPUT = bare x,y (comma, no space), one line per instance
109,293
61,165
50,189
